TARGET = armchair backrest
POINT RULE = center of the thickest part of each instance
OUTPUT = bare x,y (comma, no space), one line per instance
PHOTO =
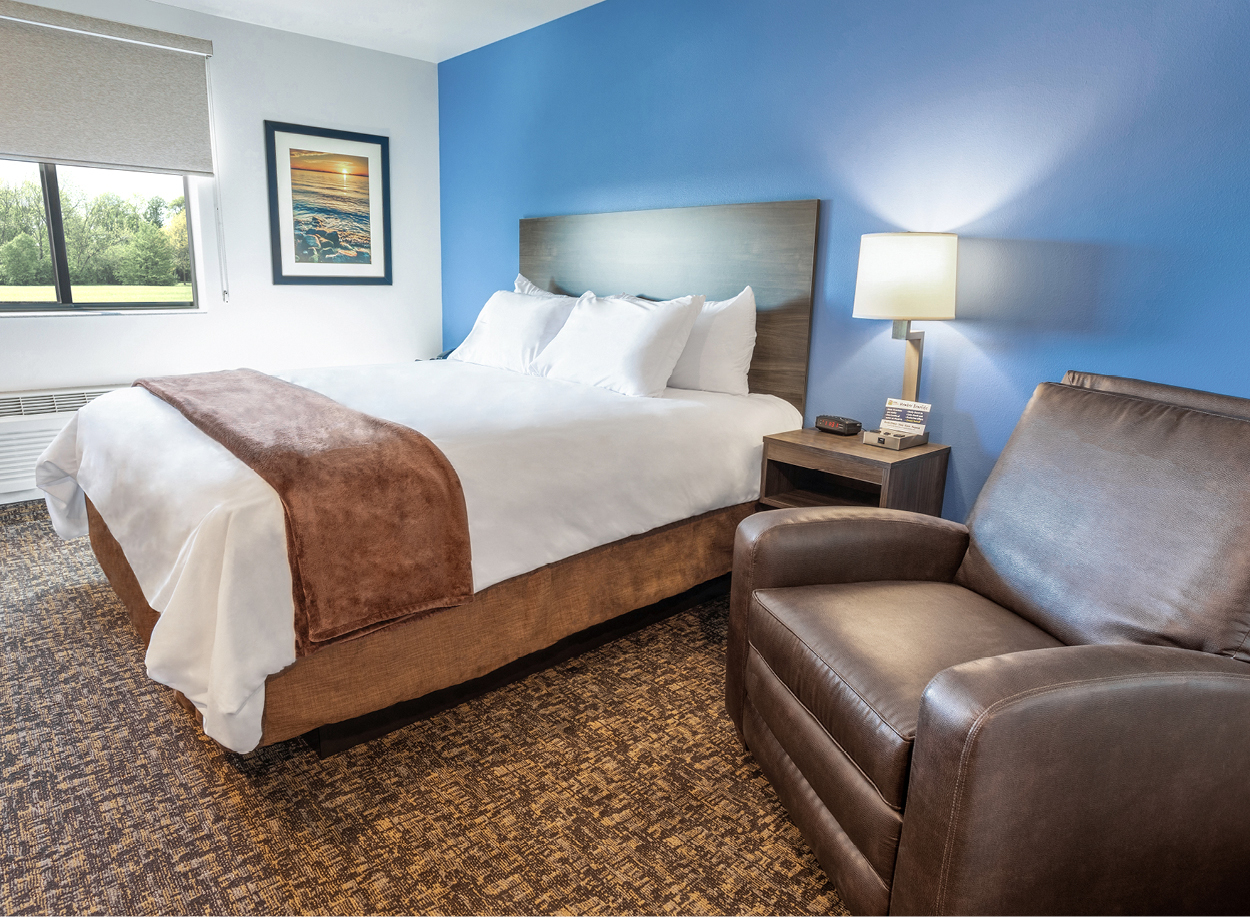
1119,512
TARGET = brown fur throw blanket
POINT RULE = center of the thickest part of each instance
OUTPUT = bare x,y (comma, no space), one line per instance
376,527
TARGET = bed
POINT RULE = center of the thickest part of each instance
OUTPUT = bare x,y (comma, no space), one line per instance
633,519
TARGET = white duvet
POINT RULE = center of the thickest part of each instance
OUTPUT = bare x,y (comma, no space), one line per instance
549,469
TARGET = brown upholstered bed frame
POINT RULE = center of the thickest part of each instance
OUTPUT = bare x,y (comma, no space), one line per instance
658,253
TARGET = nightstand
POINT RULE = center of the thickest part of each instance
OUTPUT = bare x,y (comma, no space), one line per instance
809,468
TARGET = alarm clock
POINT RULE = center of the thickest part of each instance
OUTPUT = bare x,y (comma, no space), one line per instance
842,426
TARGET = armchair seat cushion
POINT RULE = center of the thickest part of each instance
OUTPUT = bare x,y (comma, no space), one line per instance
858,656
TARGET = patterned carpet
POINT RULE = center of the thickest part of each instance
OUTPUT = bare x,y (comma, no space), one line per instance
612,783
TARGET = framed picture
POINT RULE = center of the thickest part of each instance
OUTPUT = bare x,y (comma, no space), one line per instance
329,205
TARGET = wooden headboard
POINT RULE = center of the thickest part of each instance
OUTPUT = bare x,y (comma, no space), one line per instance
716,251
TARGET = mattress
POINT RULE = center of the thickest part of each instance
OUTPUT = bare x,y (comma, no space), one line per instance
549,469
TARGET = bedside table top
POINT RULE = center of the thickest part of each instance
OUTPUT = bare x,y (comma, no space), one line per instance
853,446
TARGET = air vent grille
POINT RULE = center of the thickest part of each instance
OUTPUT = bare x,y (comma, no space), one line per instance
18,454
36,403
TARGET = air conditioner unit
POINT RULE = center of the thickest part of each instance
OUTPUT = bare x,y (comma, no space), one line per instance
29,421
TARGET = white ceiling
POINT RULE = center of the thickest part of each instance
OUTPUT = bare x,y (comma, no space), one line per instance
431,30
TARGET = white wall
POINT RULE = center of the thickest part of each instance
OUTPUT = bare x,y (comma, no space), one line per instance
260,74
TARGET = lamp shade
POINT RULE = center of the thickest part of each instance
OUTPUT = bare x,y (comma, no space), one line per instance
907,275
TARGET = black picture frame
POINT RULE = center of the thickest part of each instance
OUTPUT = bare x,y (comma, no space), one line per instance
281,272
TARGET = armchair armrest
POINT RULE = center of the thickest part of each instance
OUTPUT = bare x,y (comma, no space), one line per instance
1080,779
828,544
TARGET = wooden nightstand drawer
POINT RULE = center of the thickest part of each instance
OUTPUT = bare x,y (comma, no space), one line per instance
809,468
837,463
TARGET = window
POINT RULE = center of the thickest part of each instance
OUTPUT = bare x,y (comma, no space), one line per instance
93,185
91,239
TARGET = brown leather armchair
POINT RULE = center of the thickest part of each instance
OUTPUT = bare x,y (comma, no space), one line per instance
1045,711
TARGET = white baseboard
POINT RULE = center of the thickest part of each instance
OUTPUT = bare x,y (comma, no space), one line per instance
18,496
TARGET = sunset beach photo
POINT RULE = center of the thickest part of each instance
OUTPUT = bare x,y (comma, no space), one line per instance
330,207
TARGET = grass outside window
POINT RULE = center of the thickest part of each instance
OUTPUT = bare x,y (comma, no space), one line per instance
87,295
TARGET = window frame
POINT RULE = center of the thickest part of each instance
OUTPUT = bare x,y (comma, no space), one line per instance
64,304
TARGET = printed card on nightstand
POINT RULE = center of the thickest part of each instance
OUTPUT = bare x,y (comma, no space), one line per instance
909,417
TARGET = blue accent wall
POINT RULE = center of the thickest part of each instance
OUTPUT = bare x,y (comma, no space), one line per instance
1093,156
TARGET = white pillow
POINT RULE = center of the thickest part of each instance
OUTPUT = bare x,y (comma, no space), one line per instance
524,285
625,344
718,354
512,329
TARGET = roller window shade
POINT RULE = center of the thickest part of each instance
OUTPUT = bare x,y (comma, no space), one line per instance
86,91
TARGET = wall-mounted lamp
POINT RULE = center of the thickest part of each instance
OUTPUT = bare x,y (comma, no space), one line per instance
907,277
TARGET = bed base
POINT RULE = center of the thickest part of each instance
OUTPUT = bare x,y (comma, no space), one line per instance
336,737
350,692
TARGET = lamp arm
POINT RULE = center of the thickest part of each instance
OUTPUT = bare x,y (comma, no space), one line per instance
911,360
